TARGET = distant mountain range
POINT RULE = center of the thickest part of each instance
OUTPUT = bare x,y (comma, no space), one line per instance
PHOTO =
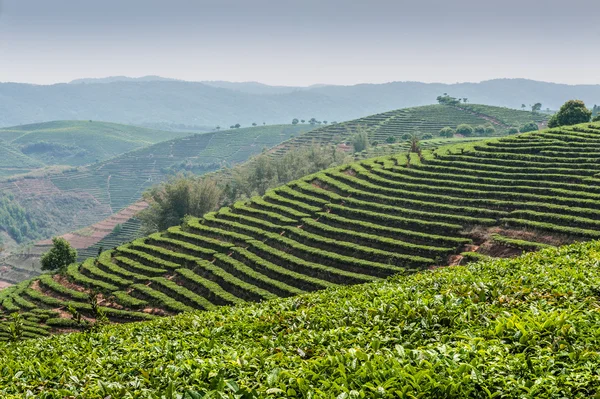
155,100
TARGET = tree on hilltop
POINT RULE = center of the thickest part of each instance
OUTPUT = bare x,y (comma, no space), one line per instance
294,121
523,106
571,113
537,107
59,256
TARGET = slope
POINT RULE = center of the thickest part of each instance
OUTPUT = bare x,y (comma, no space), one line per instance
352,224
78,143
79,197
524,327
428,119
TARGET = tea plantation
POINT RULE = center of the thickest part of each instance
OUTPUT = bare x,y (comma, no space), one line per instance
518,328
423,120
347,225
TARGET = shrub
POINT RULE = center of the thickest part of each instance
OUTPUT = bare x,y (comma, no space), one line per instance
529,127
390,140
465,130
571,113
513,130
447,132
427,136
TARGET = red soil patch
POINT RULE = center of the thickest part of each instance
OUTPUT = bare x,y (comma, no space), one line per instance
93,234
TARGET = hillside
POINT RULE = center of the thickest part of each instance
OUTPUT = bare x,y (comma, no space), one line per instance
190,103
428,119
78,197
347,225
523,327
76,143
93,193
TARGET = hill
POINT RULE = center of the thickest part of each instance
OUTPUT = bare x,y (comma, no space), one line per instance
203,104
76,143
115,184
78,197
352,224
523,327
423,120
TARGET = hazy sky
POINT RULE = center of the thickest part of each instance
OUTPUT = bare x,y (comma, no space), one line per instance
287,42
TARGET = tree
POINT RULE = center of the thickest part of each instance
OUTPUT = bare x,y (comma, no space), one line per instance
303,121
427,136
465,130
218,128
59,256
523,106
596,118
529,127
513,130
180,196
489,130
237,126
537,107
312,121
294,121
571,113
447,132
360,141
390,140
465,100
254,124
480,129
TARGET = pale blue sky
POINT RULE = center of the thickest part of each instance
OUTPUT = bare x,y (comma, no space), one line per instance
287,42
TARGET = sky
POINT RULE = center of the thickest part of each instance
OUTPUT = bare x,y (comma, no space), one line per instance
299,43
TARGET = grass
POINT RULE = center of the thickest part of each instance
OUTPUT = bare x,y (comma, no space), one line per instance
524,327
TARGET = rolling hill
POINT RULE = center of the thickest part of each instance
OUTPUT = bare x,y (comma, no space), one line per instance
346,225
86,191
522,327
76,143
191,103
428,119
78,197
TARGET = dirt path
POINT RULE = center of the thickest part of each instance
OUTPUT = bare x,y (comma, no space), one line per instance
488,118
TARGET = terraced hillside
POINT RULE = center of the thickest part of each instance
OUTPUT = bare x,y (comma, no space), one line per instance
346,225
76,143
80,197
428,119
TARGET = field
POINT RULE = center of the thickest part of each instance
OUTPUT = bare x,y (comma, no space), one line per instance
78,197
75,143
513,328
428,119
353,224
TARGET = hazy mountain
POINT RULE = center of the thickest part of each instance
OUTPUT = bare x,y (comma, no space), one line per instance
148,101
111,79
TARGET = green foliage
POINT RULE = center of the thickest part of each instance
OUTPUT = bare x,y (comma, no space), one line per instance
513,130
447,132
16,220
596,118
59,256
465,130
360,140
296,347
427,136
529,127
171,201
390,140
571,113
